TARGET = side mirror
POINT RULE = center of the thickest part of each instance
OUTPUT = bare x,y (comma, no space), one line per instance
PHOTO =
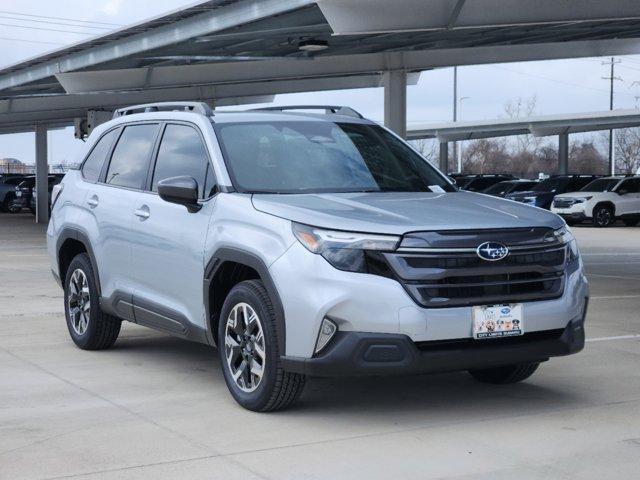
180,190
622,191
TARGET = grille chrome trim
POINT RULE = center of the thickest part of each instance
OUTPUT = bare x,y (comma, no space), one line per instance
451,276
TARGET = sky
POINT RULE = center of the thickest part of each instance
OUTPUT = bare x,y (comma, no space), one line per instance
559,86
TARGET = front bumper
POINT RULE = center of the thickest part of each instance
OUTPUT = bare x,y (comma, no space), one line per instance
574,212
368,303
358,353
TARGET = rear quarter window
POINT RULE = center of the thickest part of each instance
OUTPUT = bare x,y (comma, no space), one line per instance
93,164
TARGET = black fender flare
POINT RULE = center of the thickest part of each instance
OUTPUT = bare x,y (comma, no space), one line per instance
230,254
81,236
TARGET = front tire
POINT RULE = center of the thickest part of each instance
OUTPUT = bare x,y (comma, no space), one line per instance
603,216
505,375
89,327
249,353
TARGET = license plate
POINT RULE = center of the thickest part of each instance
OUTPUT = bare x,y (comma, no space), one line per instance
497,321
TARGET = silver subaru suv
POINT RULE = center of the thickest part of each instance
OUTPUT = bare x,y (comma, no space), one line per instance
306,244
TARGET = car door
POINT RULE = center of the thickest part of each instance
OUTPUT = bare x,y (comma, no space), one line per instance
168,250
111,201
629,202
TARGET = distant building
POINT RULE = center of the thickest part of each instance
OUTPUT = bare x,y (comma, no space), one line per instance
13,165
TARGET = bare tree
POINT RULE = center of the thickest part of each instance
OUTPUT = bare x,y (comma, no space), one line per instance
428,148
523,108
627,147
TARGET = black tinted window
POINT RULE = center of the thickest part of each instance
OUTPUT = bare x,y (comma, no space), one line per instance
631,186
523,186
183,153
130,159
94,162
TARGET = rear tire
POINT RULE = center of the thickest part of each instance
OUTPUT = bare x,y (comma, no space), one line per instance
603,216
249,353
7,204
631,222
89,327
505,375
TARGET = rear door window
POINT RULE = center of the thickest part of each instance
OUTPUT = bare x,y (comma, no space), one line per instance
130,159
182,153
631,186
93,164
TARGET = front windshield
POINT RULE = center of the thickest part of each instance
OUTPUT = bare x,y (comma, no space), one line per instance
550,185
498,188
600,185
318,156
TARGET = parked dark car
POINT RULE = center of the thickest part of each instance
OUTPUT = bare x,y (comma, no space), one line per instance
53,180
479,183
501,189
24,192
8,185
542,194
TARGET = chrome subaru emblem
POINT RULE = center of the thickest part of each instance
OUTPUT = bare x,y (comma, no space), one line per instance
492,251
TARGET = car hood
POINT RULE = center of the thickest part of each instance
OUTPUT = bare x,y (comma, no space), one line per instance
578,194
398,213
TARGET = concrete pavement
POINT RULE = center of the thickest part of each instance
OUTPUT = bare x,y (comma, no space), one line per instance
157,407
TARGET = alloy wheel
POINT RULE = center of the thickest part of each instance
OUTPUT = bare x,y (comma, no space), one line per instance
603,217
79,302
244,347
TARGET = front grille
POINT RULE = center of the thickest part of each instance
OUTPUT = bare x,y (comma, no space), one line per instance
447,277
563,202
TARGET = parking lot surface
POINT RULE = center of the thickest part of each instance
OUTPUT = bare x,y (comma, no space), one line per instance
157,407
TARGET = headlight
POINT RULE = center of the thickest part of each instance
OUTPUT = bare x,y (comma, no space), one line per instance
530,199
564,235
343,250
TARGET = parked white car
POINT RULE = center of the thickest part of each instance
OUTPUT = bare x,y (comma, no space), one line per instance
602,201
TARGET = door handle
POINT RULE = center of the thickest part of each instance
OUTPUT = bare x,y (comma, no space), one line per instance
93,201
142,212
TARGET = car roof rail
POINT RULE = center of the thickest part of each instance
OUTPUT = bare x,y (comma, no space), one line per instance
195,107
335,109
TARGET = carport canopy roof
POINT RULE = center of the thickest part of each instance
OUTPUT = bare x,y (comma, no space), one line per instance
235,50
538,126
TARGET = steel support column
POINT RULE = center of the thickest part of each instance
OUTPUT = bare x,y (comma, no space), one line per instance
42,175
563,153
444,157
395,101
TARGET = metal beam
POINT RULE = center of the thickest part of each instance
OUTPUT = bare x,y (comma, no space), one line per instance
395,101
340,65
216,20
538,126
19,114
563,153
444,157
42,175
455,14
378,16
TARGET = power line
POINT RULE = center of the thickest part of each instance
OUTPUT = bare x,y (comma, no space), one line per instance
30,41
60,18
555,80
46,29
54,23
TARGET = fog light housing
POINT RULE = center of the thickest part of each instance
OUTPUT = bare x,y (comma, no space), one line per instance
327,330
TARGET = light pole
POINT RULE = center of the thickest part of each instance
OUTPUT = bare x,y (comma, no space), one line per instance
458,151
